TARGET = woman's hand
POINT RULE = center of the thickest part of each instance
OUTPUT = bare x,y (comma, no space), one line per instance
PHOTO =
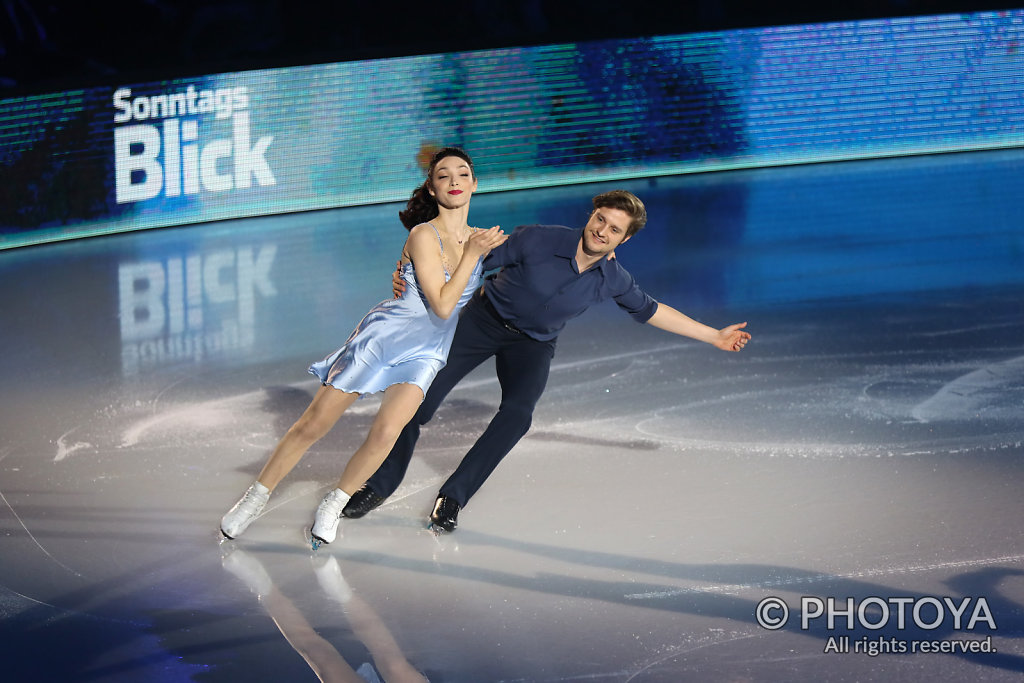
482,241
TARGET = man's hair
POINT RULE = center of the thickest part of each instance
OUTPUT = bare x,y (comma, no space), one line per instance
624,201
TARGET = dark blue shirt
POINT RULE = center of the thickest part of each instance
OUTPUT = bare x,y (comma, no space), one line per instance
540,287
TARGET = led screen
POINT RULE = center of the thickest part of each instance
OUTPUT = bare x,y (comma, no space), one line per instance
144,155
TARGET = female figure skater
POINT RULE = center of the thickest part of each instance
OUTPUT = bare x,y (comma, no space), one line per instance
397,348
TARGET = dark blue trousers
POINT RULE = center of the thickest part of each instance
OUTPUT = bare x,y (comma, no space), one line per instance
522,365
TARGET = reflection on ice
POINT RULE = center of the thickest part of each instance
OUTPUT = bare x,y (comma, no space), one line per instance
185,308
389,663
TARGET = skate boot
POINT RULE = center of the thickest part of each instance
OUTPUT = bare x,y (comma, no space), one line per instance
364,500
445,516
248,508
325,526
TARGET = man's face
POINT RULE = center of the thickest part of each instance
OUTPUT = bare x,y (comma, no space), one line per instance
605,230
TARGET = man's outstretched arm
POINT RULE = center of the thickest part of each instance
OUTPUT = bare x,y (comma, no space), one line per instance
731,338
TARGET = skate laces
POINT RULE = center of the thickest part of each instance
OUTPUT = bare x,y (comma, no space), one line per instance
332,504
252,501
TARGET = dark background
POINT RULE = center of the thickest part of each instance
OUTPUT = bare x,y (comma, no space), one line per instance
51,46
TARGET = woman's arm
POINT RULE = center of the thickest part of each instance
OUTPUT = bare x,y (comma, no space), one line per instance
423,249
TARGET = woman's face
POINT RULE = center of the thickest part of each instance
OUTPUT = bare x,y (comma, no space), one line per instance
452,182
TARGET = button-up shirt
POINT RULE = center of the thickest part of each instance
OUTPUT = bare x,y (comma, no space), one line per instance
540,286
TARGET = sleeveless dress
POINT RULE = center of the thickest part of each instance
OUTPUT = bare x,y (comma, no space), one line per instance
399,341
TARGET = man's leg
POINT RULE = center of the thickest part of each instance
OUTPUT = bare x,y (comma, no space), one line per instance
523,373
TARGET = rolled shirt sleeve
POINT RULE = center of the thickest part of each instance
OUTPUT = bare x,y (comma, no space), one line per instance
635,301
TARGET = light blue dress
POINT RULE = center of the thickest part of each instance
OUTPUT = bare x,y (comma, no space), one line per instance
399,341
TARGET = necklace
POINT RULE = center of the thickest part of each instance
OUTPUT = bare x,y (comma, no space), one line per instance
445,263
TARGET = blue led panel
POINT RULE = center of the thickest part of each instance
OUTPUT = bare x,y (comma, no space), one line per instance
146,155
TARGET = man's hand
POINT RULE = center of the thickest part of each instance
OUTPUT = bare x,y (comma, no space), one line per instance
397,283
732,338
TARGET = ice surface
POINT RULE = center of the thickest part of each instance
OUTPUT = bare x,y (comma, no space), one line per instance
865,444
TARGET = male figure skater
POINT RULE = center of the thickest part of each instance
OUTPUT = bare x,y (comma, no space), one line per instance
549,274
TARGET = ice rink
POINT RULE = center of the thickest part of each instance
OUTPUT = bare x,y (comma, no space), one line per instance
861,460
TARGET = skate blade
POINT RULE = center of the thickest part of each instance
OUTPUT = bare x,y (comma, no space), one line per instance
313,541
437,529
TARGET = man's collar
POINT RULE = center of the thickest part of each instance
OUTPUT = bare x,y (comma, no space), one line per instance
567,247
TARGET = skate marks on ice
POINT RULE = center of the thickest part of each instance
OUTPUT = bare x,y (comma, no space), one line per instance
870,379
64,449
256,419
250,422
867,405
785,651
995,391
32,537
717,601
802,580
24,527
246,418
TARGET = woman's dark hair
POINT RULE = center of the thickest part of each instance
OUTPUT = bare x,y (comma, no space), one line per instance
421,206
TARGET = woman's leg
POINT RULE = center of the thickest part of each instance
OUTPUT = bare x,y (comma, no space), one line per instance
398,406
396,409
477,338
322,414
